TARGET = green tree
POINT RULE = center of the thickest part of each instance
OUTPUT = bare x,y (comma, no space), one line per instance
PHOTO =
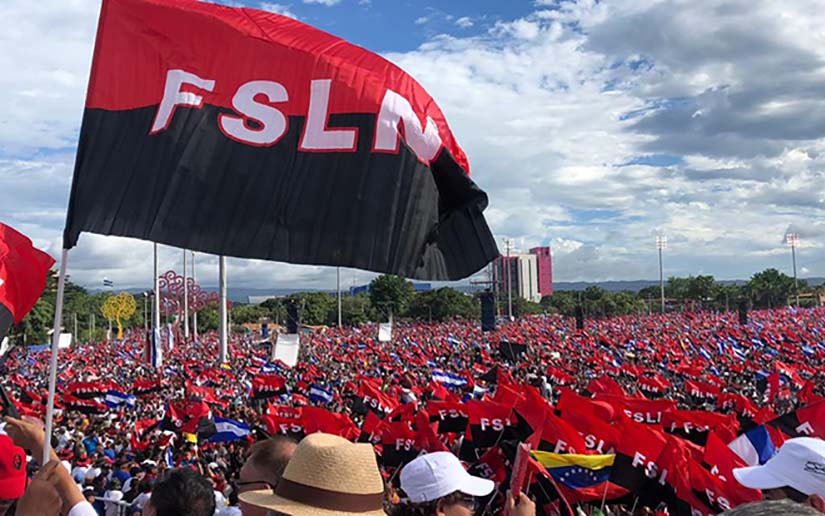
209,318
356,309
316,308
34,328
770,288
561,302
444,304
391,292
276,309
242,314
701,288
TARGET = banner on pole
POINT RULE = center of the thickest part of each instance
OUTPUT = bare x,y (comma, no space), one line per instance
353,158
385,332
286,348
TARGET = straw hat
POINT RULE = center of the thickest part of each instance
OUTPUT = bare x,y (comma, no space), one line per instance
326,476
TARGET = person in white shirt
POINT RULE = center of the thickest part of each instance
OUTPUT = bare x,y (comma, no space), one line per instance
112,496
79,473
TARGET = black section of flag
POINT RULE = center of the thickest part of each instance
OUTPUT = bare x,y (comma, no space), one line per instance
6,320
193,187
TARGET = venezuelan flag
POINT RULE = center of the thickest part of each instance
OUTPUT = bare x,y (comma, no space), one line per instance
576,471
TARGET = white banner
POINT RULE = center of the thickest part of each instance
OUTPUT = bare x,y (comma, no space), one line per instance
385,332
286,349
65,341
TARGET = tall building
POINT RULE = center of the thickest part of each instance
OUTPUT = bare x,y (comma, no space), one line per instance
530,275
544,260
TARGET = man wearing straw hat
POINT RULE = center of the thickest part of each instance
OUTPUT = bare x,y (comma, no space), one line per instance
327,476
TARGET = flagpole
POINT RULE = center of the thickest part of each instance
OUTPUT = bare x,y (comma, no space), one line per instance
156,315
58,315
195,313
185,302
222,282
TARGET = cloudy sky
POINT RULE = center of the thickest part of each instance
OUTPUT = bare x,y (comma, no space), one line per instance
592,125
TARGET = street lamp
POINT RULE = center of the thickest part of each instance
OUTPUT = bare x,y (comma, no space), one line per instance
792,240
508,243
661,243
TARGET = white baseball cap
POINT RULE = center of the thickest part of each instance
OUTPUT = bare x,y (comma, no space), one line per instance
431,476
800,464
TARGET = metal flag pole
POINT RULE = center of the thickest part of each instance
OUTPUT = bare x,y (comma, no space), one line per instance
156,344
58,316
224,345
195,313
338,280
185,302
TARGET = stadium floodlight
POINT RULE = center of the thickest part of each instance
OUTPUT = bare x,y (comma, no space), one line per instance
661,243
792,239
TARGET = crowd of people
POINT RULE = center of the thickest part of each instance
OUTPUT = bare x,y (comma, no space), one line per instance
683,413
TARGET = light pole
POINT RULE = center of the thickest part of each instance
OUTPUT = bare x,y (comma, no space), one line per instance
508,243
185,302
793,240
661,243
146,313
194,313
338,283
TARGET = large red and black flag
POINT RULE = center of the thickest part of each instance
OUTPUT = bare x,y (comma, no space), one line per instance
23,270
244,133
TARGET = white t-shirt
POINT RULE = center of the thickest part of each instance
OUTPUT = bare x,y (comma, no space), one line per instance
230,511
220,501
79,474
141,499
112,496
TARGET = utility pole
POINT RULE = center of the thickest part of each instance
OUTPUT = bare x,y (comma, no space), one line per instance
793,240
74,320
661,243
195,313
508,244
224,349
185,302
145,312
338,283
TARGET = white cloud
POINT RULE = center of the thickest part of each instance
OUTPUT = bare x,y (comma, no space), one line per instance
556,111
328,3
464,22
421,20
281,9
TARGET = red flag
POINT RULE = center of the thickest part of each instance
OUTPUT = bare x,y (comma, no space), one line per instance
375,400
23,270
773,387
605,385
721,461
267,386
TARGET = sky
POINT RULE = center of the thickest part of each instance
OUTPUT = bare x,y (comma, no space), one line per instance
592,125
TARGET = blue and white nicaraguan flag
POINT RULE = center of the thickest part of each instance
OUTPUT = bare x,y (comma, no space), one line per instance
115,399
320,395
229,430
453,380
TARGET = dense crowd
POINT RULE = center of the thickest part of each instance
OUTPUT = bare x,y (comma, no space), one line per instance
628,415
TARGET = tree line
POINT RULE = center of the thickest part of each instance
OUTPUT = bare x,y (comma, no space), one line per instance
388,294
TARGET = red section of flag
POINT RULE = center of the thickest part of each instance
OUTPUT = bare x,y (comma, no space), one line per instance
233,46
23,270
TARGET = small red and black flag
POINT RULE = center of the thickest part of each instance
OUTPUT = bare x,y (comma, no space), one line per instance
268,386
23,270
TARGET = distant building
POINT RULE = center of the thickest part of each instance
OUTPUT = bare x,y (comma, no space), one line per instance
530,275
544,262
